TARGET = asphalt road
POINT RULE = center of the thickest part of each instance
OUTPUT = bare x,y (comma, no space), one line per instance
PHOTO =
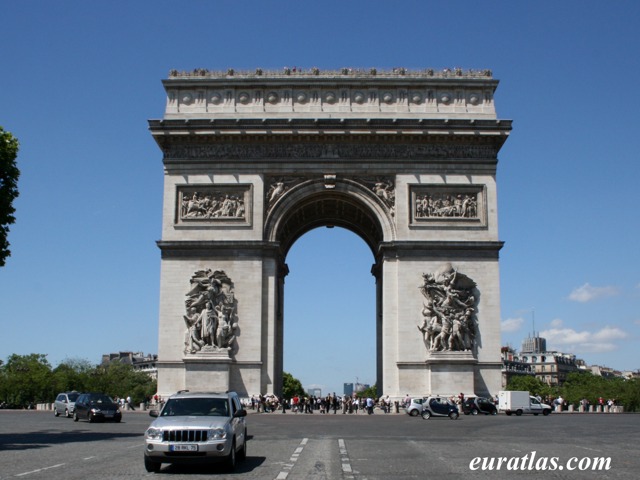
36,445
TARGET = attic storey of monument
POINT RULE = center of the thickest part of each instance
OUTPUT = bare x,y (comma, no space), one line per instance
406,160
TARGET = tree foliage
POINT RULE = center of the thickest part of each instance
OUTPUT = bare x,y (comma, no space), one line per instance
370,392
531,384
584,385
9,175
29,379
291,386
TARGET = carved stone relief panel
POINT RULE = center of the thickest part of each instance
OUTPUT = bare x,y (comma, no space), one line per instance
213,204
449,321
384,189
276,187
448,205
211,314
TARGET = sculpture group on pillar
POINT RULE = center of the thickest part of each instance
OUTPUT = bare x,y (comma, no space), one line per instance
211,317
449,320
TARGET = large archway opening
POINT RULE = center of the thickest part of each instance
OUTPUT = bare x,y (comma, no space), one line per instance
330,311
329,303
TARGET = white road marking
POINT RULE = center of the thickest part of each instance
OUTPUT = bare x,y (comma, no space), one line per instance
347,471
39,470
294,458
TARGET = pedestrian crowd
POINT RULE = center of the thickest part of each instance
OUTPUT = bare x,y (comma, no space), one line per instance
332,403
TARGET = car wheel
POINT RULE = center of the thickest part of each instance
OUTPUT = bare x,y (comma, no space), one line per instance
230,462
413,413
66,413
55,412
453,415
474,411
426,414
518,412
75,416
151,466
546,412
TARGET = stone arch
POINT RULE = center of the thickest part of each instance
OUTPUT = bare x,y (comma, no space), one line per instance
347,204
388,165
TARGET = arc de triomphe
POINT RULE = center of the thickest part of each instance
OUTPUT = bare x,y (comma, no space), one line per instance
407,160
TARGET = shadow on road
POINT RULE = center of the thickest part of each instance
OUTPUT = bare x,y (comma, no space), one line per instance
43,439
245,466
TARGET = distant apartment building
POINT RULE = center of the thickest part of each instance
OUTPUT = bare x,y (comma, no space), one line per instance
139,361
550,367
513,366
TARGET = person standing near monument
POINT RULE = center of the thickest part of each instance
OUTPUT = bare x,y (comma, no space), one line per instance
370,404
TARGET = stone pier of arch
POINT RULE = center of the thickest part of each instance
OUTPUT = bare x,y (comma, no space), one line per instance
406,160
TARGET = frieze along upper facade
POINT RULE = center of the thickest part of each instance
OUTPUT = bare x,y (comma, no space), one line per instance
396,93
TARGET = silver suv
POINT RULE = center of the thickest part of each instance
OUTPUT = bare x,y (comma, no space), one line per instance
198,427
65,403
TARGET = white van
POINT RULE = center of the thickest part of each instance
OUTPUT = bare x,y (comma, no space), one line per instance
521,402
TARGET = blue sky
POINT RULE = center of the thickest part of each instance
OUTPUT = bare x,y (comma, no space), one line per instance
79,80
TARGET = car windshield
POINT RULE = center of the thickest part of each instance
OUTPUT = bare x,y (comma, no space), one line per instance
100,399
205,407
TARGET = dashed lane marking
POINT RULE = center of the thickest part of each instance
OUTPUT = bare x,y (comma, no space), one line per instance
39,470
286,469
347,471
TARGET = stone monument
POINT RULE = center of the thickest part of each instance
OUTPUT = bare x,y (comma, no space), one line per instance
405,159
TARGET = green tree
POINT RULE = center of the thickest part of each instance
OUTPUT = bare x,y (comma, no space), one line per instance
71,374
121,380
591,387
530,384
9,175
26,379
630,398
372,392
291,386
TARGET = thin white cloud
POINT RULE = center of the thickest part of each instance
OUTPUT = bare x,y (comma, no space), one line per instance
569,340
512,324
556,323
587,293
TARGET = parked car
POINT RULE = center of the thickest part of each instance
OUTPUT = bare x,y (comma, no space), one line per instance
65,404
439,407
96,406
432,406
476,405
197,428
415,406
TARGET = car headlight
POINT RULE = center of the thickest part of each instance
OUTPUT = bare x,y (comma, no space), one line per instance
217,433
95,410
154,433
